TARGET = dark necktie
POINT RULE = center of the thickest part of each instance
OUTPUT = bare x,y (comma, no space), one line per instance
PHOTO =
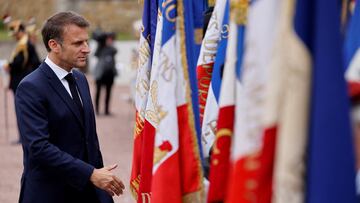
72,84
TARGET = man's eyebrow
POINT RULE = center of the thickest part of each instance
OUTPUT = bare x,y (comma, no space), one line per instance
79,41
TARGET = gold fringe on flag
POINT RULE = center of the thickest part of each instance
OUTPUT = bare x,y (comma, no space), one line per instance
199,195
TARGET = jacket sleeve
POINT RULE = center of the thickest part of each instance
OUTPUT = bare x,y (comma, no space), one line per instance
31,113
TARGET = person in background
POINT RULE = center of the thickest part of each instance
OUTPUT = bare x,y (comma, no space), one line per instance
61,153
105,69
24,58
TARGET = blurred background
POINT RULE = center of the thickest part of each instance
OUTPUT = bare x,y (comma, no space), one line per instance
314,159
121,17
114,15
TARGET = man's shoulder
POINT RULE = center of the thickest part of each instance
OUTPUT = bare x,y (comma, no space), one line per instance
36,76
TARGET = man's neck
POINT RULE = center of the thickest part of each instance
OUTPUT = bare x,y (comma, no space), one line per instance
58,62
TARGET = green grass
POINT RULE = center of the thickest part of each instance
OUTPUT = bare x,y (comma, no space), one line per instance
4,36
125,36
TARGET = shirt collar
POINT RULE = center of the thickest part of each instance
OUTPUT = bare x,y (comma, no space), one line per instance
59,72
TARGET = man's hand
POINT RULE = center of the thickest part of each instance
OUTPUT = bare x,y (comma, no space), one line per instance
104,179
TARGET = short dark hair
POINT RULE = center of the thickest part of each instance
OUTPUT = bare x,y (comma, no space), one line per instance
54,26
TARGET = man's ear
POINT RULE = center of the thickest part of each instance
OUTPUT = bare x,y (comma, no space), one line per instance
54,45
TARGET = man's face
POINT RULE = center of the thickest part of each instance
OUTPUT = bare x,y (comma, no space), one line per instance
74,48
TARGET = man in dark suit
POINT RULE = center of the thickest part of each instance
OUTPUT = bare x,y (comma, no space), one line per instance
62,158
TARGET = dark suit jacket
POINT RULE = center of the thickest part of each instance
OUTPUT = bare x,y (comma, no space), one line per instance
25,60
60,148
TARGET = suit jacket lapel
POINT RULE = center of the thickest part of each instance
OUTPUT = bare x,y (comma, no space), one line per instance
60,89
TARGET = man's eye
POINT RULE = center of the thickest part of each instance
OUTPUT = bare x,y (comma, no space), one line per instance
77,44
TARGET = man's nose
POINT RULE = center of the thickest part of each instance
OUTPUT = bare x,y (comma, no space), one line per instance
86,48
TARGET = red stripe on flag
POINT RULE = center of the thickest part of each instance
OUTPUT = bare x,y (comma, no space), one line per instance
147,153
166,181
220,164
180,175
354,90
136,161
204,73
191,174
251,176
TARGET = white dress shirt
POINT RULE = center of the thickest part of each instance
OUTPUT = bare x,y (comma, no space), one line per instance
61,74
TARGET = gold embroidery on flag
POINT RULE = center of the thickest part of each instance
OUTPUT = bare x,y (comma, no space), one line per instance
142,87
251,184
146,197
215,162
139,126
200,193
166,67
144,53
161,151
192,197
134,187
251,164
198,35
221,133
250,196
156,114
169,6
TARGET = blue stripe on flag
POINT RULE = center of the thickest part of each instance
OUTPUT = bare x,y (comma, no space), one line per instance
240,50
198,18
149,21
146,19
169,14
153,22
330,168
220,56
352,41
191,59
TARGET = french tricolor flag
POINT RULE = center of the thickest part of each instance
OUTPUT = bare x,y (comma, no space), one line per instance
210,116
